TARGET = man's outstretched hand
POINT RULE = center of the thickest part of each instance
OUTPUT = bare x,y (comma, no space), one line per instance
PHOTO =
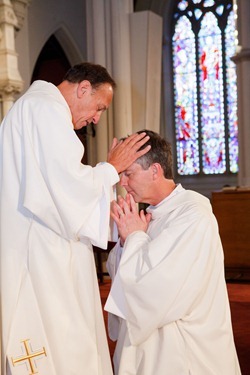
123,153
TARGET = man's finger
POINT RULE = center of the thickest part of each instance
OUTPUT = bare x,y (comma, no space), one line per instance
136,141
114,208
143,152
114,217
133,204
114,143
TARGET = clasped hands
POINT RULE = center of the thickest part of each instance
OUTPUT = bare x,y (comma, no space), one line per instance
127,217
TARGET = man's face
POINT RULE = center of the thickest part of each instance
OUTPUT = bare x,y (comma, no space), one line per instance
138,182
90,104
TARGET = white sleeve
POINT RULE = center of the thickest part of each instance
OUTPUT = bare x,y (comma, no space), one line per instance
70,198
152,290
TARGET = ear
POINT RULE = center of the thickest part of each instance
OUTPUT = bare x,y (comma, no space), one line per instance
157,170
83,87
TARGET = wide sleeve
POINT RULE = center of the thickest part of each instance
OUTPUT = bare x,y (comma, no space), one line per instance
159,280
68,197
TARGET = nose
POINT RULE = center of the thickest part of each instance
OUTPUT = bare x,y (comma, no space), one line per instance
96,118
123,180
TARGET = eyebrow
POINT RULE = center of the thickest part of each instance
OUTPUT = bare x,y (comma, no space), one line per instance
127,170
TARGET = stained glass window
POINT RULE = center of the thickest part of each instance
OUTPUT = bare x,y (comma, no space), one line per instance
205,92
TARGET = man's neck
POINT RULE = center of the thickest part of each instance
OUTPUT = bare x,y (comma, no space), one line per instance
162,191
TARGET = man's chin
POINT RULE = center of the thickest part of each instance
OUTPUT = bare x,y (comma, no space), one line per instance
80,125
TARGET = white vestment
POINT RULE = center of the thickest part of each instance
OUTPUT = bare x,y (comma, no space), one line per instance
53,208
168,304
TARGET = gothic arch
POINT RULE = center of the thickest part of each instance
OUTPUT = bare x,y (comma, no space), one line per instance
52,64
72,52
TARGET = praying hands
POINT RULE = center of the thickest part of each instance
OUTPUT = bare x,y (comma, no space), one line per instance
127,218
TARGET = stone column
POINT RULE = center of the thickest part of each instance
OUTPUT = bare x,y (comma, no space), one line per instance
96,53
10,79
129,45
242,60
108,45
146,62
121,65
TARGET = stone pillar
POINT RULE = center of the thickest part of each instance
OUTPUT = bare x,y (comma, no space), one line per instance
121,65
129,45
146,62
10,80
242,60
108,45
96,53
20,9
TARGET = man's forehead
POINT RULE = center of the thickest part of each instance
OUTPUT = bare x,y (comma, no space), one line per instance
133,168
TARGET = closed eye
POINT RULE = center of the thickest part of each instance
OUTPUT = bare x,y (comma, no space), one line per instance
102,109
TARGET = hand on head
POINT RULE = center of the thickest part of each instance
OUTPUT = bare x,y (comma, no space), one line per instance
123,153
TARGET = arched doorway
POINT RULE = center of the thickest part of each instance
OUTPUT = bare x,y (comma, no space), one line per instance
51,66
52,63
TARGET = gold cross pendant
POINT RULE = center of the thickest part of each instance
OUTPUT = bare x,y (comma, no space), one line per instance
29,357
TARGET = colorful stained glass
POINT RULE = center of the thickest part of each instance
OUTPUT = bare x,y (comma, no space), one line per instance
211,93
204,81
183,4
208,3
198,13
185,98
220,9
231,94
